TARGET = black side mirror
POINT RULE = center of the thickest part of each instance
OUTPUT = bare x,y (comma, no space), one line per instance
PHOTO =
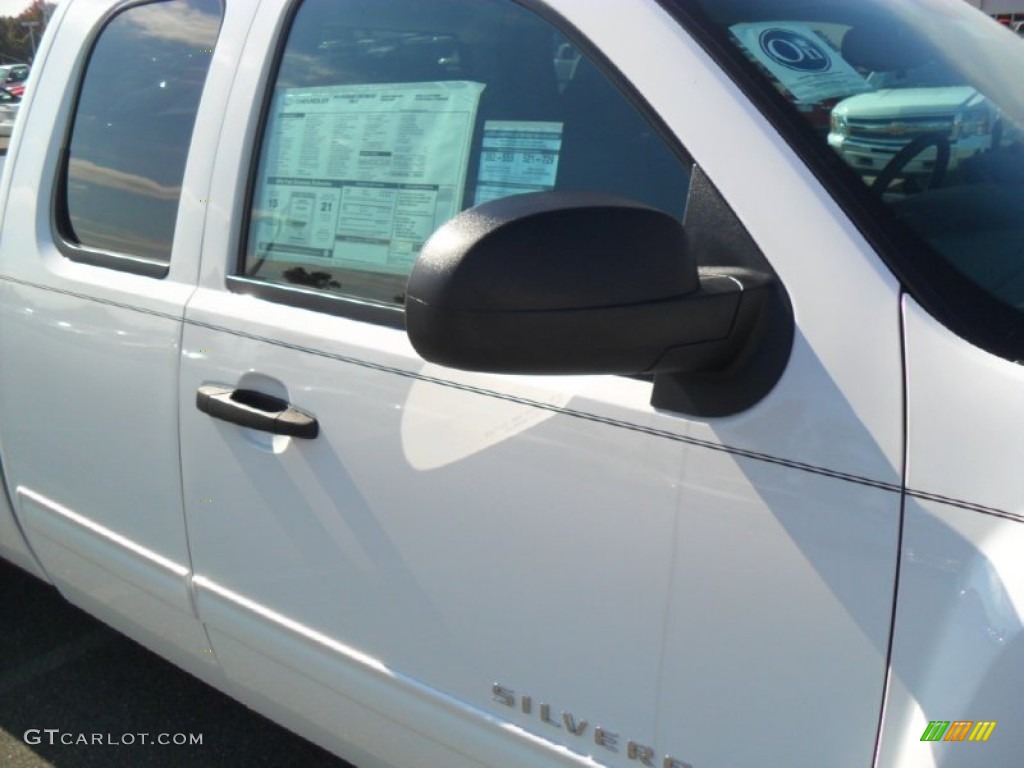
570,283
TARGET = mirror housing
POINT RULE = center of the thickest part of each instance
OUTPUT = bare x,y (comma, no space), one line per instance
576,283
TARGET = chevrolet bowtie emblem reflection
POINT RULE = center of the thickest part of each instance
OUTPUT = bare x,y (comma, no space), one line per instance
958,730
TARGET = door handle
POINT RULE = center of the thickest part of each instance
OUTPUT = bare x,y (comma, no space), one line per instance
256,410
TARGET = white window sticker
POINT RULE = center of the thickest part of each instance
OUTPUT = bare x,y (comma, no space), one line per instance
359,176
516,157
806,64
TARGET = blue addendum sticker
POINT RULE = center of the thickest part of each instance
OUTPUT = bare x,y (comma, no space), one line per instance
794,50
805,61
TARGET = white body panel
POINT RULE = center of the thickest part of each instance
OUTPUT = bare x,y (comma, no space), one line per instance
13,546
460,529
470,570
91,357
957,652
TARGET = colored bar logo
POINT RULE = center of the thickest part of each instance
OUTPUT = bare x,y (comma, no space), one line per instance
958,730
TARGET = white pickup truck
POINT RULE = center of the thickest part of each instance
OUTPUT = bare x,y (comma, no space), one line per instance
458,409
928,112
870,129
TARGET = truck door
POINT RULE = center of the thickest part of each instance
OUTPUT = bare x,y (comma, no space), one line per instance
101,234
515,570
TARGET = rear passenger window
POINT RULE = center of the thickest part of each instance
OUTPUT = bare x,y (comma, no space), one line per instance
132,128
388,117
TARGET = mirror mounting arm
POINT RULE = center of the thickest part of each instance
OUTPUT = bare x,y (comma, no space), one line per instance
724,377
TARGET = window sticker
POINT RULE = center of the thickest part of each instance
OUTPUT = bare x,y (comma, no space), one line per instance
806,64
517,157
359,176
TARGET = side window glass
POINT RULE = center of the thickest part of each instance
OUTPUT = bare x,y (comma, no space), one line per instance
388,117
133,125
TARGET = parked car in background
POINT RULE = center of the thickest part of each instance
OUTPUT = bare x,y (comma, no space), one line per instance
919,120
950,124
13,77
9,104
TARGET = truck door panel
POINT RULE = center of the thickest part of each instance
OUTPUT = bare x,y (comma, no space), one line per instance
492,545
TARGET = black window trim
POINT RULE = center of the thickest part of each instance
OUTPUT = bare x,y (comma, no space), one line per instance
60,221
302,297
364,309
956,302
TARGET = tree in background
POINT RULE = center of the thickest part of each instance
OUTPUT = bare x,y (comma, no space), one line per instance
17,40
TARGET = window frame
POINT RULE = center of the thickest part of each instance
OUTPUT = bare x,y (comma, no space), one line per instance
60,217
367,310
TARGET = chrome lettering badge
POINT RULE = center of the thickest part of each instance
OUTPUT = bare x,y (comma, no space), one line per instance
582,729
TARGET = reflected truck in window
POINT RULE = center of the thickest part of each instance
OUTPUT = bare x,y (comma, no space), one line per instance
921,108
868,130
542,383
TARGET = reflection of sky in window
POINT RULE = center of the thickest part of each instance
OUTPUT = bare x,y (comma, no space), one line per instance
134,124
